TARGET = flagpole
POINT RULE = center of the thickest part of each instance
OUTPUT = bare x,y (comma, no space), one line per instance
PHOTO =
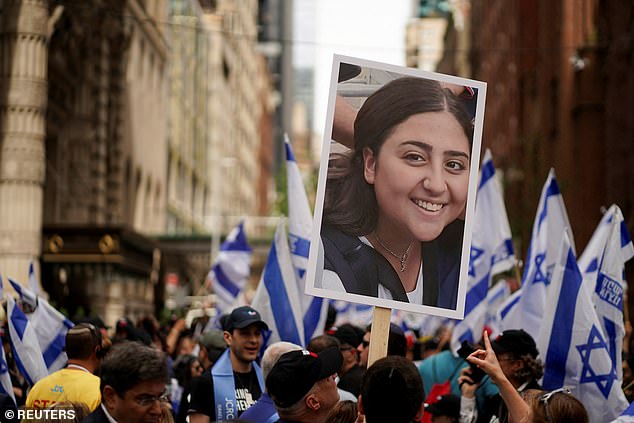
518,274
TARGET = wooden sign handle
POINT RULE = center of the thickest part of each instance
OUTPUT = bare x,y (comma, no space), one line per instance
380,334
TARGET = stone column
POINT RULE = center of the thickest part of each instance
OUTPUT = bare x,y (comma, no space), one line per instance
23,99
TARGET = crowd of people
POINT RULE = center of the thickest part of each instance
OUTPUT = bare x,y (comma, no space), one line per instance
145,373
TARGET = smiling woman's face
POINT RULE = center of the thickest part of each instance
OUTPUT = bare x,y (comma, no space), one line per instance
420,177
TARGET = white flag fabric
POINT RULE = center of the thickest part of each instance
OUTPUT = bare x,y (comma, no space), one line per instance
276,297
508,308
609,285
627,416
496,297
591,257
550,224
6,386
588,261
50,327
429,325
300,224
573,346
35,287
24,342
491,253
359,315
230,271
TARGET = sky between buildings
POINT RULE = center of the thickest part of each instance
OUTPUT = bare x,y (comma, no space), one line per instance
369,29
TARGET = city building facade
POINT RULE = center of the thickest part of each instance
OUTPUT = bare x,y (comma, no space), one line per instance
124,122
559,79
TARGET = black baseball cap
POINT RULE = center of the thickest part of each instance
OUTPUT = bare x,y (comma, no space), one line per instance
296,372
446,405
515,341
242,317
348,334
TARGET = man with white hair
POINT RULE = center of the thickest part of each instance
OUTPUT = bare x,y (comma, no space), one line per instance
263,410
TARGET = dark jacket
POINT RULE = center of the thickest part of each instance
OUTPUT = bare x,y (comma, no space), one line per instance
97,416
361,268
7,407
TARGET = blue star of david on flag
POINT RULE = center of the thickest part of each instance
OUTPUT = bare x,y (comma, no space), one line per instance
474,255
588,375
539,275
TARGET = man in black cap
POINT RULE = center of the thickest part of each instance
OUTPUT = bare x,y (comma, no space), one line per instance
350,373
446,409
517,353
302,385
235,381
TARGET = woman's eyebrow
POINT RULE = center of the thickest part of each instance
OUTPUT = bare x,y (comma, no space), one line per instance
420,144
456,153
429,148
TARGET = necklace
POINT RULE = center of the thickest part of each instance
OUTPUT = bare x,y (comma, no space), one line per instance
402,258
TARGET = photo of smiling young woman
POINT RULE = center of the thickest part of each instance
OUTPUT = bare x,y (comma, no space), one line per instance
394,205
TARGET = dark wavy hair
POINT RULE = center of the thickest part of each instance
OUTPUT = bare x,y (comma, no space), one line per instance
350,203
532,369
391,391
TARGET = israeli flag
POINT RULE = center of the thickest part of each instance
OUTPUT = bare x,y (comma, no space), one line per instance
573,346
26,295
49,325
24,342
300,224
588,261
627,416
491,253
506,311
356,314
550,224
430,325
591,258
6,387
609,286
230,271
495,298
409,320
276,297
35,287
